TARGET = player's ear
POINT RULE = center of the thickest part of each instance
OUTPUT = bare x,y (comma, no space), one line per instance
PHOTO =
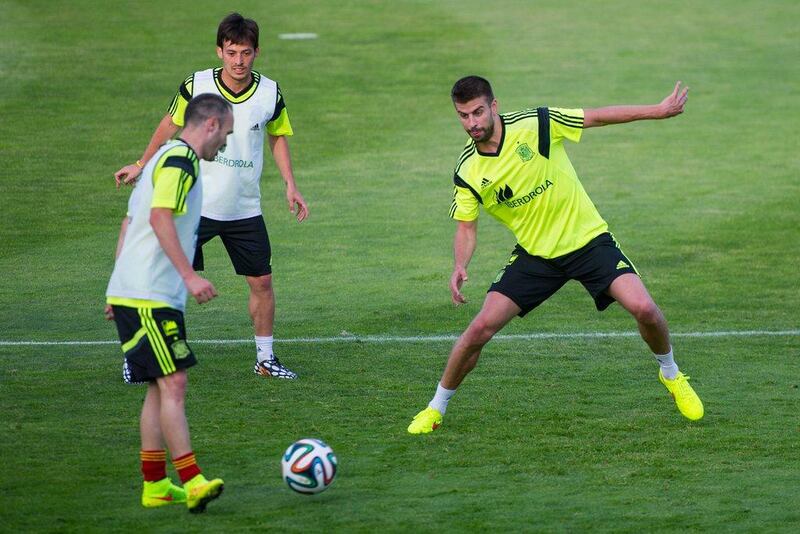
219,52
493,106
212,124
256,52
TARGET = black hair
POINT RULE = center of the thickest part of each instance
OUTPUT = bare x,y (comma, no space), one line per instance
470,88
237,30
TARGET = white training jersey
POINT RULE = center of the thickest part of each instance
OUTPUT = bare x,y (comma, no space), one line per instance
233,179
171,179
133,199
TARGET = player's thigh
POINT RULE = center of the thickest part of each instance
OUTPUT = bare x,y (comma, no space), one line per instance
153,342
496,312
248,246
206,231
629,290
596,266
528,281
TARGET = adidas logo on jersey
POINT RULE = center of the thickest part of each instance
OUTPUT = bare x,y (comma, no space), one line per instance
503,194
485,182
622,265
256,127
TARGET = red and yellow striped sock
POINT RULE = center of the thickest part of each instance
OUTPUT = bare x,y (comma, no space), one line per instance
154,465
187,466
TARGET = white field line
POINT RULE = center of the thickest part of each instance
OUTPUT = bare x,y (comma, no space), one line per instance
424,339
297,36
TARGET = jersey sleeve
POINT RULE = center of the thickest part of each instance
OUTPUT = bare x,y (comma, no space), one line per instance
279,124
465,202
565,124
556,124
181,99
173,177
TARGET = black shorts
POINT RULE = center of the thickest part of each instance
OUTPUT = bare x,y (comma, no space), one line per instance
530,280
246,241
153,342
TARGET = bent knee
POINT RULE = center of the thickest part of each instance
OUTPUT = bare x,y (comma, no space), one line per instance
260,284
647,312
174,385
480,332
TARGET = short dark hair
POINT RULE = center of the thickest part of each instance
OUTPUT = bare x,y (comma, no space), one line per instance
238,30
470,88
204,107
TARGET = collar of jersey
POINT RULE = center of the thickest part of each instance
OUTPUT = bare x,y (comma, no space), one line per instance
182,140
231,96
499,145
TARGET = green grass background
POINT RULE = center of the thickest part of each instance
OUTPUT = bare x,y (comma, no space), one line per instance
546,435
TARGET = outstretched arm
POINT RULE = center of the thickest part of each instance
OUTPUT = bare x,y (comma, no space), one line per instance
164,132
464,243
669,107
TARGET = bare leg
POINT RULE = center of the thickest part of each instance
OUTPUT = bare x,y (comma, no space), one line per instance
172,389
149,422
630,292
496,312
262,304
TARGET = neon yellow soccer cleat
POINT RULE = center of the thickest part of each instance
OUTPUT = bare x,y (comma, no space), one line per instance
200,492
162,493
687,400
425,421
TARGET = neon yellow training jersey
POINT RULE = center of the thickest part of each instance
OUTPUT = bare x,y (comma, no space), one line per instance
529,184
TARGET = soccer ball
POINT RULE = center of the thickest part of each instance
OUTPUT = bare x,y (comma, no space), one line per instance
309,466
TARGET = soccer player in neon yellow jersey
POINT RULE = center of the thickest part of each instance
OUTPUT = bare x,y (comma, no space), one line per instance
516,168
232,201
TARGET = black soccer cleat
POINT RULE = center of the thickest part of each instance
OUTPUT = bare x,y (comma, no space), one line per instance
274,369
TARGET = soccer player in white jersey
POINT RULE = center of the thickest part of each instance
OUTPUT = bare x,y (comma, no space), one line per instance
232,200
147,296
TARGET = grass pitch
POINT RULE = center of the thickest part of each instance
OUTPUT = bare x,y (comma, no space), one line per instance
546,435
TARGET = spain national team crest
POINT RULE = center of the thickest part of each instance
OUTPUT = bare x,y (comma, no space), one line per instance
524,152
502,271
180,349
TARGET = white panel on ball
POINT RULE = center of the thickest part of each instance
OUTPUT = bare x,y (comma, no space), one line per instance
309,466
